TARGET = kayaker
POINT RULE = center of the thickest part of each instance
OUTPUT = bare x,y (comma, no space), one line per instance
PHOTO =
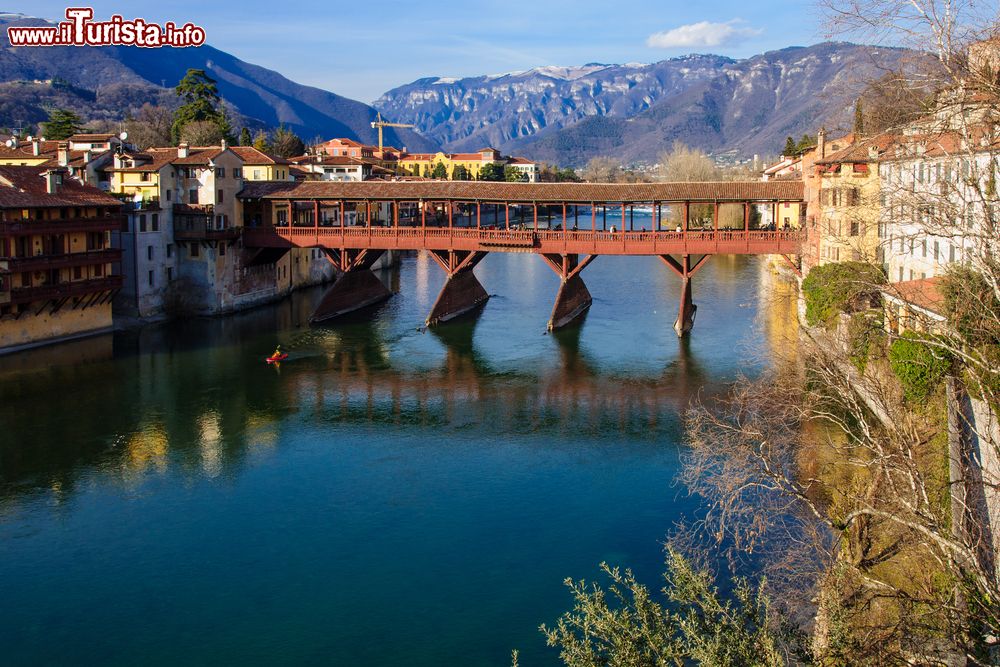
277,352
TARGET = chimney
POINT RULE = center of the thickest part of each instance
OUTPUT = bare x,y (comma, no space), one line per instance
821,143
225,144
14,141
36,147
87,156
53,180
182,150
62,153
119,161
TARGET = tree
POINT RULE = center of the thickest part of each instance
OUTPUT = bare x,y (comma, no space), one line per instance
686,164
201,133
806,143
245,138
287,143
459,173
790,149
201,102
512,174
491,171
261,142
62,124
859,119
150,127
602,170
440,171
626,625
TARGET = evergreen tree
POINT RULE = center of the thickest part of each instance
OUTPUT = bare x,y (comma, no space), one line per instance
491,172
514,175
859,119
245,138
440,171
459,173
62,124
201,102
790,147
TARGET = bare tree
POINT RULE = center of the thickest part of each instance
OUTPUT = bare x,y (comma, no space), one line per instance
150,127
682,163
602,170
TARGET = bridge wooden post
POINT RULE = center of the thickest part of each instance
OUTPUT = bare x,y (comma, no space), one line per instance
573,298
462,292
686,270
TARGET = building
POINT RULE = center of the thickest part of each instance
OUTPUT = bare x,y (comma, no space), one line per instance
846,184
56,257
322,167
936,201
914,305
529,170
259,166
812,180
785,167
423,164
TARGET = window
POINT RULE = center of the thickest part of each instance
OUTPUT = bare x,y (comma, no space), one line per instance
168,195
98,270
170,250
77,272
193,196
220,172
923,248
170,273
256,174
142,222
951,253
195,250
219,199
222,250
237,172
900,274
151,279
937,250
149,253
155,221
855,228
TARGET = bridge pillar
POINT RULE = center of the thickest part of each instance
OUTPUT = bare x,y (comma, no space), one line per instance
573,298
686,269
462,292
356,286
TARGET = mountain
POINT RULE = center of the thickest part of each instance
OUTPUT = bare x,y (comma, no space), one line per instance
634,111
133,75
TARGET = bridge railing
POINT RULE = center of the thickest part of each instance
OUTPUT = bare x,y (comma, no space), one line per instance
630,242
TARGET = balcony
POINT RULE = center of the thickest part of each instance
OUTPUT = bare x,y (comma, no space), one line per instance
201,229
131,204
61,261
62,226
64,290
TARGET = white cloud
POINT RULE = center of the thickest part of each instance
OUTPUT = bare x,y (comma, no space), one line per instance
703,33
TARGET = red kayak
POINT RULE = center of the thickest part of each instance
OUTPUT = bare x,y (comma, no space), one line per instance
274,360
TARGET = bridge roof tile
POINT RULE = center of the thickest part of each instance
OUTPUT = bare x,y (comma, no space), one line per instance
583,193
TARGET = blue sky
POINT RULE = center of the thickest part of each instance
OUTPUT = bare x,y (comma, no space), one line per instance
361,49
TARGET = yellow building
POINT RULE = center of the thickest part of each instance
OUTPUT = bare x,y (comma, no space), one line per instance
23,153
259,166
847,226
56,257
423,164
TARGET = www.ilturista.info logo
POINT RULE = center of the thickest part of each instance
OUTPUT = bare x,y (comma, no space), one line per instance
80,30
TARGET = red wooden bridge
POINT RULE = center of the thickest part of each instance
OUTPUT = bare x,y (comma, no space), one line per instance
567,224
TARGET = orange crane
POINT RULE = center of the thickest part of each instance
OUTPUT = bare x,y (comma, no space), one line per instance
379,123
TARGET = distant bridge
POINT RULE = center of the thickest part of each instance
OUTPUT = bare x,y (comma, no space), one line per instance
459,223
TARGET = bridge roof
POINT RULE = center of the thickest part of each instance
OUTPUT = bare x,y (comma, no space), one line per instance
735,191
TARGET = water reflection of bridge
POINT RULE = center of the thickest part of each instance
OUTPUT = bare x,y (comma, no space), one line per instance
357,383
567,224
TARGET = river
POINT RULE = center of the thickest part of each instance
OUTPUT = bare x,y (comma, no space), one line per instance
388,496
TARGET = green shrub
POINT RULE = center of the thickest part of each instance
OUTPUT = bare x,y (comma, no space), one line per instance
839,288
920,367
971,306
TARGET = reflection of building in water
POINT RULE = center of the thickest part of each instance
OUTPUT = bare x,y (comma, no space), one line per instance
777,315
146,449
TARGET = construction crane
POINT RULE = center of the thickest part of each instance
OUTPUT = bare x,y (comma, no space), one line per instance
379,123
